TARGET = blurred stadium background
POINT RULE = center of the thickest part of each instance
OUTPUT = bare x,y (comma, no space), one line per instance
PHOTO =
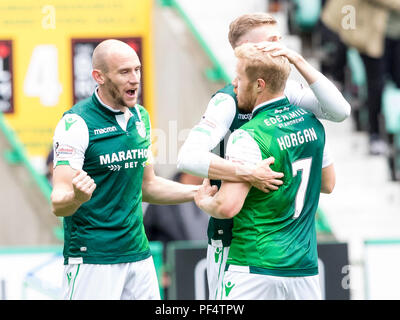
45,50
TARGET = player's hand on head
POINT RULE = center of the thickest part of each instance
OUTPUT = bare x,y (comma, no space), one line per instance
264,178
270,46
278,49
84,186
265,45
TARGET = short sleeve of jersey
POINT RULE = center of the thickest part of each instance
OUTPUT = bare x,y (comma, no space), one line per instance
216,121
221,109
194,155
70,141
243,149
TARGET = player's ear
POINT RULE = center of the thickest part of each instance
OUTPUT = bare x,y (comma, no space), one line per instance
234,82
98,76
260,85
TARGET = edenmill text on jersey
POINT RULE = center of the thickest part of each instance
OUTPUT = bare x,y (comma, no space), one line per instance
286,119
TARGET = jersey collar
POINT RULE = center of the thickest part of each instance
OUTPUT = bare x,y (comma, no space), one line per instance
276,102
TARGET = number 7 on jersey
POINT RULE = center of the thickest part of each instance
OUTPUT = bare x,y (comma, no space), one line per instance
303,165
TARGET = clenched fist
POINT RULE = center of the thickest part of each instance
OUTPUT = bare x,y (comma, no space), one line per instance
70,190
83,186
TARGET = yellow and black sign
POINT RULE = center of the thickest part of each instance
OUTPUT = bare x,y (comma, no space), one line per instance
45,58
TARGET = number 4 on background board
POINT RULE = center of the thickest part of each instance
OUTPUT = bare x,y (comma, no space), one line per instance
41,78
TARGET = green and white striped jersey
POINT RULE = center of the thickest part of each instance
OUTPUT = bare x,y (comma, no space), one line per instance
113,151
274,233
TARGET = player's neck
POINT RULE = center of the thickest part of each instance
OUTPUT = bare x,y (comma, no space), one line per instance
266,96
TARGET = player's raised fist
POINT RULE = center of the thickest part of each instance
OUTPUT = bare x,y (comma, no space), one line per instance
83,186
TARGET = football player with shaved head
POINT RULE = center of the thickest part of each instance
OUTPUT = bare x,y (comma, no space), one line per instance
103,171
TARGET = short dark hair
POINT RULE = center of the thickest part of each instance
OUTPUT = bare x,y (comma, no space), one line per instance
241,25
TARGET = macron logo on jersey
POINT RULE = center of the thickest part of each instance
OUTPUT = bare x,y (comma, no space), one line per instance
105,130
245,116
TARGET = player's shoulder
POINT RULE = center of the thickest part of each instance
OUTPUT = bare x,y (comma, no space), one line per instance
144,116
81,108
224,98
144,113
78,110
243,135
229,89
308,116
77,117
242,144
142,110
301,111
70,122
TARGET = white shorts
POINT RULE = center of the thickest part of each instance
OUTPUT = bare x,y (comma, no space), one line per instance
216,261
122,281
241,285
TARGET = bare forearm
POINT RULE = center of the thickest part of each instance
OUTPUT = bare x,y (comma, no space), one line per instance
63,203
221,169
328,179
71,188
224,204
164,191
213,207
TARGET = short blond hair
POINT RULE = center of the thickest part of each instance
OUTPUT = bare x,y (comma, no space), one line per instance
241,25
262,65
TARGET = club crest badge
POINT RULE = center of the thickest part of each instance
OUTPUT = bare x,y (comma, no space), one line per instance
141,129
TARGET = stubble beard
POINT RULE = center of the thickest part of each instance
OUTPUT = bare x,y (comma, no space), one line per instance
245,106
245,103
112,90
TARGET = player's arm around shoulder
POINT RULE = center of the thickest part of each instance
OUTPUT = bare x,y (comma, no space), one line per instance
228,201
158,190
195,156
